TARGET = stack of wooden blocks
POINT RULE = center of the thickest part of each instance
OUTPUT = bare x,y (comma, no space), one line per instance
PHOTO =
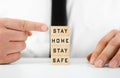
60,45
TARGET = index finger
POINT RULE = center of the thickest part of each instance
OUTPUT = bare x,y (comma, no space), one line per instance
23,25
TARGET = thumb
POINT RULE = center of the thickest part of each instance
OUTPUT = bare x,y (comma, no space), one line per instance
23,25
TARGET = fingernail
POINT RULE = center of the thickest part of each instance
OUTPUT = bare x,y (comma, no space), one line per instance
114,64
92,60
99,63
44,28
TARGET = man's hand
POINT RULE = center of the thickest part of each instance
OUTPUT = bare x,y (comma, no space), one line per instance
13,34
107,51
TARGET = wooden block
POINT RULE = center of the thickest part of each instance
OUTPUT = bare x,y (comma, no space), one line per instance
58,50
60,60
60,40
60,30
60,45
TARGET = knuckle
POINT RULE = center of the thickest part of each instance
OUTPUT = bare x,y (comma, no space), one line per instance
18,56
116,58
95,54
115,41
104,56
102,42
24,25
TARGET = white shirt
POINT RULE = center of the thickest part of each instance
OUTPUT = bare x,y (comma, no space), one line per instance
89,20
